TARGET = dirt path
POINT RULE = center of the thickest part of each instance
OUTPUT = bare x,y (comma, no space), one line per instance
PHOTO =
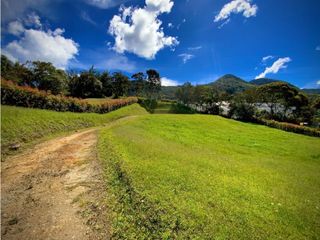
54,191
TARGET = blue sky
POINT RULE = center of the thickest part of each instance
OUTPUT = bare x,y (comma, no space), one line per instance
185,40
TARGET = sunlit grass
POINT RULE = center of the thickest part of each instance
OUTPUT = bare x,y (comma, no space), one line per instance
206,177
23,125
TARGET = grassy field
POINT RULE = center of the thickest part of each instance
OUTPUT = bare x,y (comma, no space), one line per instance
206,177
22,125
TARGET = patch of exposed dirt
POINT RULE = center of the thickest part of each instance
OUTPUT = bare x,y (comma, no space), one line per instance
54,191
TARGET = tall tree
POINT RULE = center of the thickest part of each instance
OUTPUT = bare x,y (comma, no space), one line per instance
106,80
87,85
139,79
185,93
47,77
153,83
120,84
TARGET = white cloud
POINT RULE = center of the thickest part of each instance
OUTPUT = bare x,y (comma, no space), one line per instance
318,82
266,58
186,57
168,82
104,4
85,16
33,20
137,30
276,66
318,48
195,48
13,9
15,28
118,62
42,45
237,6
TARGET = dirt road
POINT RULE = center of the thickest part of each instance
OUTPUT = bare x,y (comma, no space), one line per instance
54,191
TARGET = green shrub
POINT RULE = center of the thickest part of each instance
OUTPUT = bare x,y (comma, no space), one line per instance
149,104
179,108
15,95
289,127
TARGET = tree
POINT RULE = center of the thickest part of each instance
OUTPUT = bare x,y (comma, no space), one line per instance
87,85
46,77
120,84
282,99
185,93
106,80
243,106
153,83
139,79
15,72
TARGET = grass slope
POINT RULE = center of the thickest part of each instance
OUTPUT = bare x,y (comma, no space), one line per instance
206,177
24,125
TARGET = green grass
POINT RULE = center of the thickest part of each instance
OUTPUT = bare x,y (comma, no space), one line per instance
206,177
23,125
163,107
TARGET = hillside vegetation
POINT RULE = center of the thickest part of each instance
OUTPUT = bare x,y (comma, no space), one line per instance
23,125
206,177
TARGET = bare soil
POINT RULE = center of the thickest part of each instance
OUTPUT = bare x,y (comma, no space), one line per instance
55,191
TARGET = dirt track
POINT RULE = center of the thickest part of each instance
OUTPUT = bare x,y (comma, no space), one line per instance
54,191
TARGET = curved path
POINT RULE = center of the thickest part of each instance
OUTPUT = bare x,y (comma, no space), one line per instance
54,191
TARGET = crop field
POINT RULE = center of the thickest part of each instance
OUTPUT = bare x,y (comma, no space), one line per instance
206,177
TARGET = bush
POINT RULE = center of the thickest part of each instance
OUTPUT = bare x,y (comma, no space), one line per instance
12,94
289,127
242,111
149,104
179,108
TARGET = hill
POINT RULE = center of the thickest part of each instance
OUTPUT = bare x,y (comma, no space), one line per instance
231,84
168,92
311,91
199,176
263,81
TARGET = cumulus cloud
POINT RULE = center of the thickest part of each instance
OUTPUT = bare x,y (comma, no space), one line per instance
33,20
186,57
266,58
36,44
276,66
237,6
168,82
15,28
137,30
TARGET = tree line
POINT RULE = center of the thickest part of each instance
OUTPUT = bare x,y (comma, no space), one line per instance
86,84
277,101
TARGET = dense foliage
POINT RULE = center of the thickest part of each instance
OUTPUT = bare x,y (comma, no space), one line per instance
11,94
86,84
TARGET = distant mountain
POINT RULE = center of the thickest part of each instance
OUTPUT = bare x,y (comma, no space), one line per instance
231,84
263,81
